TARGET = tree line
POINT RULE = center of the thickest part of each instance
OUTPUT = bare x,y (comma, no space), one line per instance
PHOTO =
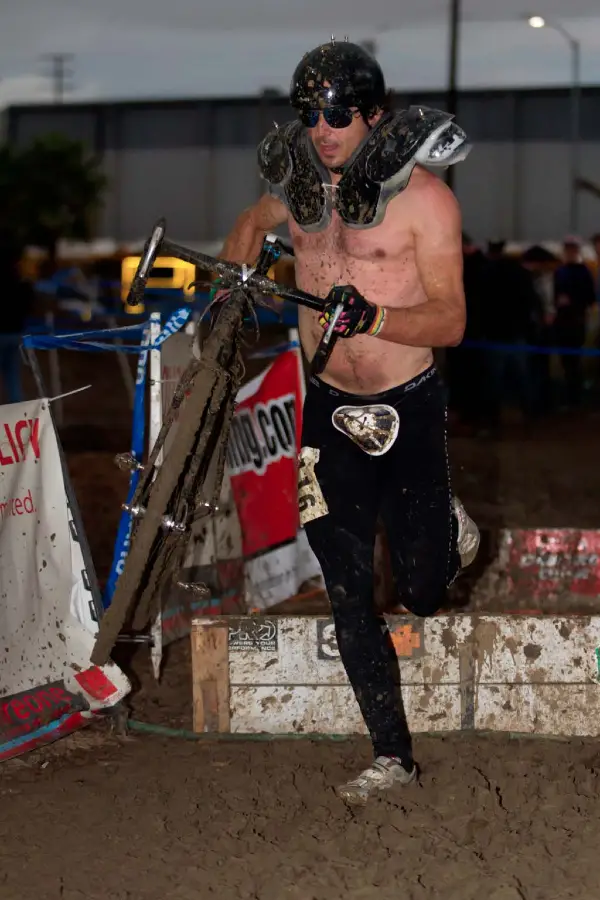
50,189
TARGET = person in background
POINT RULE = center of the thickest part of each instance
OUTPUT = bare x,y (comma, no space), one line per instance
465,365
541,263
17,299
509,323
596,246
573,296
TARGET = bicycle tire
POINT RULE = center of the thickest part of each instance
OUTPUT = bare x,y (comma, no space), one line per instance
148,534
210,449
210,437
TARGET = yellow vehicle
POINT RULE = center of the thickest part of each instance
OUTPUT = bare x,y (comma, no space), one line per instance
168,273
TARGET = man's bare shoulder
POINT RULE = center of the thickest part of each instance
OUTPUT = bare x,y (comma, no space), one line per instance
429,197
425,198
426,206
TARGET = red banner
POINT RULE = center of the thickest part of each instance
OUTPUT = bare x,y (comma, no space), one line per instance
262,455
544,561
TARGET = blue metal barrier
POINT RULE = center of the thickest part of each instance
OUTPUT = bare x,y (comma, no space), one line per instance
101,340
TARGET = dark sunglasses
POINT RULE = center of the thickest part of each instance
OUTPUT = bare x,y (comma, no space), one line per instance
335,116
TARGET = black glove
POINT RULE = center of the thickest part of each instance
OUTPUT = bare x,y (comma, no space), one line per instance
359,316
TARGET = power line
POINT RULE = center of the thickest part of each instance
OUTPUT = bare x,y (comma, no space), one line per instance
60,74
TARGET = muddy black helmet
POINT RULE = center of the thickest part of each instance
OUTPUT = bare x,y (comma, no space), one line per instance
338,74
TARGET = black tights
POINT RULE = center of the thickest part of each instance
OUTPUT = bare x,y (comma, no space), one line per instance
409,488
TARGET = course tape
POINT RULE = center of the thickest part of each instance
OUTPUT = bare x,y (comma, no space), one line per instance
528,348
96,341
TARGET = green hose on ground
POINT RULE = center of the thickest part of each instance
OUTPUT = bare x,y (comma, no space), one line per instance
164,731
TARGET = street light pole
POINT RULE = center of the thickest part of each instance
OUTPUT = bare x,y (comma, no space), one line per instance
575,130
452,99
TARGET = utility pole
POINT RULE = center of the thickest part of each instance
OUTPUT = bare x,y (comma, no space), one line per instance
60,74
452,96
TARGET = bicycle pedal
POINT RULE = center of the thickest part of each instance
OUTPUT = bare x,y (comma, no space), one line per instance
127,462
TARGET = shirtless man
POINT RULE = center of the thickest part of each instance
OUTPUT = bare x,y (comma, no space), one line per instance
374,424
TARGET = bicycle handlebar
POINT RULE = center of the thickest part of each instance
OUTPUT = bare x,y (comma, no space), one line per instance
251,279
243,277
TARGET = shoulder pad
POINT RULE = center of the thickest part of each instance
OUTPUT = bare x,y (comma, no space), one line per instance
382,165
446,143
274,159
399,140
288,162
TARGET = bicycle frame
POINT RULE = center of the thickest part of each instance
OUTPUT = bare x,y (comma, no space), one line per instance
169,498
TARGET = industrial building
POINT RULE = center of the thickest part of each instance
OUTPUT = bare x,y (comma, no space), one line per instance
194,161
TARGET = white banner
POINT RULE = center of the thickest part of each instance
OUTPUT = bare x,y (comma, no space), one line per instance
279,574
47,613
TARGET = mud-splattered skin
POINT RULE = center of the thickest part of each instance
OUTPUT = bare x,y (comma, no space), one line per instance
380,262
391,229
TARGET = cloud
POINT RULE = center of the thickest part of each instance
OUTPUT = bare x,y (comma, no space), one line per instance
154,56
24,89
31,88
341,16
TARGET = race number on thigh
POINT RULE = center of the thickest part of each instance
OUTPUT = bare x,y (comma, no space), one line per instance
311,501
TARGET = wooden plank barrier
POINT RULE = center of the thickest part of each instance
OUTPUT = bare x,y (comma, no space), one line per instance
280,674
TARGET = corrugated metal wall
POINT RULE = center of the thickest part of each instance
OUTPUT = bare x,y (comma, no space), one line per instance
195,161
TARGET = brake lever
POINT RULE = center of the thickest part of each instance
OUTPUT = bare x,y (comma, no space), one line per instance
326,344
285,248
281,245
135,295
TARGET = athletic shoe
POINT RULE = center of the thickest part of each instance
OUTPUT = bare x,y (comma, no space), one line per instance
385,773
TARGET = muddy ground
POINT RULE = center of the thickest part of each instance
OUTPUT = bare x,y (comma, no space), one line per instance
98,817
102,817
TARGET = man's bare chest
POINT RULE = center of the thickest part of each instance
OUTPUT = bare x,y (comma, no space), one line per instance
382,244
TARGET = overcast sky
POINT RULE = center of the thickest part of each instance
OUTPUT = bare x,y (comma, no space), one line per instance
191,48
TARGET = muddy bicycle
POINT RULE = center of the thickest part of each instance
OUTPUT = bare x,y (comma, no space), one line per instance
171,497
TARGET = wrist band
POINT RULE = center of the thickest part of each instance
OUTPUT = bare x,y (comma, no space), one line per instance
377,322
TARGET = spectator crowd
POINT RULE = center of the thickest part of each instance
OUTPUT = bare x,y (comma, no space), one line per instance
528,318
